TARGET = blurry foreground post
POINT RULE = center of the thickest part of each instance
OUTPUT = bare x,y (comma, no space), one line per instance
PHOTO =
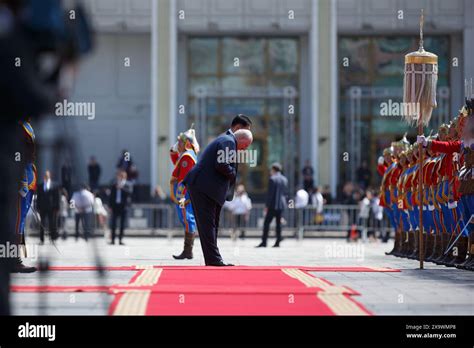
419,97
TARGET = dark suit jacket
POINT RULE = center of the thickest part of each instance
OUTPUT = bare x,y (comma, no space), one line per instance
48,200
277,192
215,174
125,199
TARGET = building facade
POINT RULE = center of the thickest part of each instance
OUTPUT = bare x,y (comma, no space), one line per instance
311,74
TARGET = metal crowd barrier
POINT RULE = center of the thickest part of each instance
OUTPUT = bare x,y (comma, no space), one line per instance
149,219
335,217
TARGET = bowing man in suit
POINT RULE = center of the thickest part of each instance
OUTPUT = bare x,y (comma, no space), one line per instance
212,181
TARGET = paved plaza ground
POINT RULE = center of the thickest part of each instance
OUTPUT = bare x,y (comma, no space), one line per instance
436,290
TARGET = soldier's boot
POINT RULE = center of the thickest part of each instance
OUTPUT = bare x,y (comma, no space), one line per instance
461,252
444,246
401,237
416,254
188,247
396,245
418,246
470,260
403,242
438,251
414,248
449,257
19,267
470,265
433,251
430,237
407,245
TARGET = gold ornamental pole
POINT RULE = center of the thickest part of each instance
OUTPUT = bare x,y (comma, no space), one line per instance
419,90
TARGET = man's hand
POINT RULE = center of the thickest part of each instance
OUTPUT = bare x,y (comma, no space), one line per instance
420,139
381,160
181,202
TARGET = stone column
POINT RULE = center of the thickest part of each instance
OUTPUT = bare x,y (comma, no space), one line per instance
163,95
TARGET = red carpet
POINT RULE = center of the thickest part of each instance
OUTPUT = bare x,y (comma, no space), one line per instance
240,290
232,291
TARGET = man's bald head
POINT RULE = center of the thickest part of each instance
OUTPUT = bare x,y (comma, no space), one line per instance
244,138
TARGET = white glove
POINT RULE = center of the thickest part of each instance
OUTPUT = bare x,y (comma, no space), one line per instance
381,160
174,148
420,139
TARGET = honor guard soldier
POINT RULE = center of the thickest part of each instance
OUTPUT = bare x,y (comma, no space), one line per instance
454,216
184,156
25,195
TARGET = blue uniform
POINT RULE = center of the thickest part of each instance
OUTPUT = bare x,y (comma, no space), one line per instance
27,183
184,211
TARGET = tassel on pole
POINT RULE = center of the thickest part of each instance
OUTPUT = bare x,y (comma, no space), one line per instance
419,98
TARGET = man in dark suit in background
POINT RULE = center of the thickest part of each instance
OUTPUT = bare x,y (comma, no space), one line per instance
94,170
275,204
120,196
48,205
211,182
66,177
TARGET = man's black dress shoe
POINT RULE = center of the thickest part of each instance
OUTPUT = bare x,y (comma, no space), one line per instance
277,243
261,245
219,264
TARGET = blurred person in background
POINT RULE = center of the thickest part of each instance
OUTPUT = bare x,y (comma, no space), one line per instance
308,173
94,170
378,218
125,162
347,194
66,177
275,204
301,202
83,203
63,213
365,207
317,202
119,200
240,208
100,212
48,203
327,195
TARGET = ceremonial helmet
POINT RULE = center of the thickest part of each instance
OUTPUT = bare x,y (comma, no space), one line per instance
387,151
414,151
403,157
410,152
400,145
443,129
190,135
